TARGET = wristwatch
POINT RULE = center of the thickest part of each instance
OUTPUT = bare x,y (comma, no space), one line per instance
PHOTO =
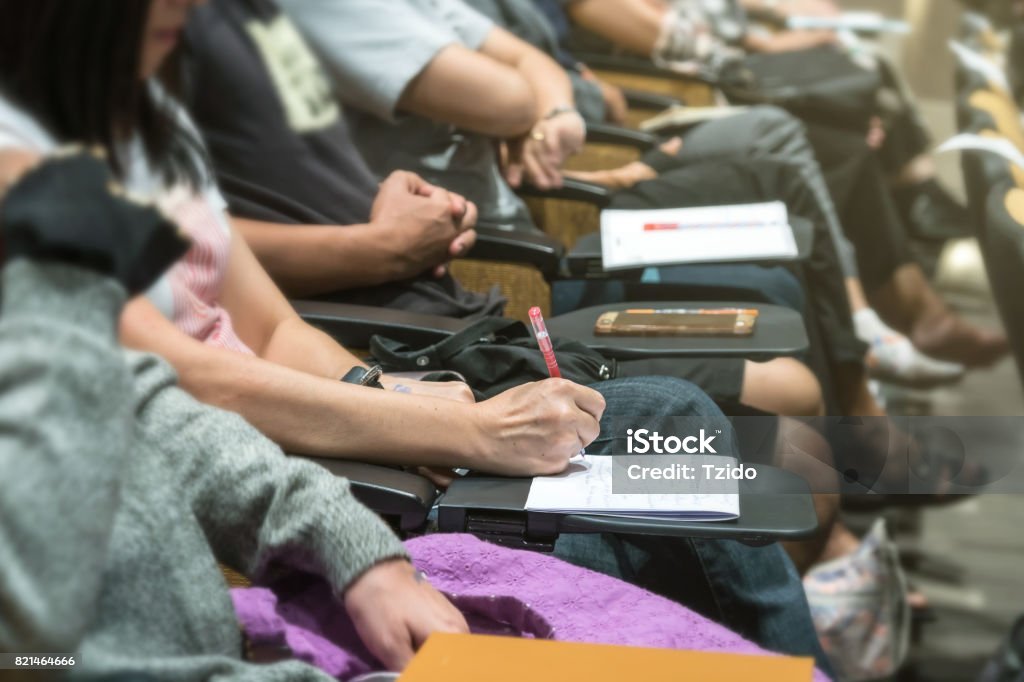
558,111
362,376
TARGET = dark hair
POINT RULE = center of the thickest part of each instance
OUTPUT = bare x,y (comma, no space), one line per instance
74,66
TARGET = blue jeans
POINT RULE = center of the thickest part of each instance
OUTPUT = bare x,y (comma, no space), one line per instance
755,591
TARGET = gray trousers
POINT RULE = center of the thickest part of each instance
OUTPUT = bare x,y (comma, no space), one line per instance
767,132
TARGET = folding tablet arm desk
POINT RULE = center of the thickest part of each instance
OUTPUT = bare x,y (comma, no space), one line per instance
777,505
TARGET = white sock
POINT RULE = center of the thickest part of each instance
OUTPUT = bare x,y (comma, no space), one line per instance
895,357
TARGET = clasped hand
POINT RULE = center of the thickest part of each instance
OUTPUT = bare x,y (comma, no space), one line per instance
422,225
538,156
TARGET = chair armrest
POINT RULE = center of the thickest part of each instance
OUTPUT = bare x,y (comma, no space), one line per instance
637,65
518,246
402,498
604,133
639,99
803,235
572,190
354,325
776,505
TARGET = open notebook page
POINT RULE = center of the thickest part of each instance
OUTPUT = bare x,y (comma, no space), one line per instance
586,488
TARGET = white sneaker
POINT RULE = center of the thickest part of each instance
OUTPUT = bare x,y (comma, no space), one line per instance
892,357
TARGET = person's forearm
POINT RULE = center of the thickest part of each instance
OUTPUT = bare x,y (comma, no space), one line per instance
313,415
476,92
551,86
66,429
316,259
634,25
320,416
302,347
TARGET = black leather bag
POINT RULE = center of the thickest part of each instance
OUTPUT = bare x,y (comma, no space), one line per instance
820,84
494,355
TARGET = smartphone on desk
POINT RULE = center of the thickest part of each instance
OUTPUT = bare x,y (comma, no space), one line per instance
677,322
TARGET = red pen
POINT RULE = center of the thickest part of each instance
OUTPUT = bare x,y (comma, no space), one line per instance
540,330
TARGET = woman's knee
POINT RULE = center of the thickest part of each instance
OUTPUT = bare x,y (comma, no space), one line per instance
782,386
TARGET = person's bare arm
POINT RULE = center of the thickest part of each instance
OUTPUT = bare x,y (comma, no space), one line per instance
632,25
507,89
414,228
305,413
472,91
791,8
290,391
500,90
547,79
788,41
314,259
530,430
558,131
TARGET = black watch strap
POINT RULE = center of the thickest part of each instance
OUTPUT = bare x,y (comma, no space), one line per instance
362,376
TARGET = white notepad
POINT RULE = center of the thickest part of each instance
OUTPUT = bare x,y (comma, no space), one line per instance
711,234
871,22
586,488
679,116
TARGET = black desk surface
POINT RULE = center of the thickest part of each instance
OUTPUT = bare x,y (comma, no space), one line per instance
779,332
776,505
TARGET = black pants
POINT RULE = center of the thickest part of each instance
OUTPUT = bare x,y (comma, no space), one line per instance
906,136
853,197
863,200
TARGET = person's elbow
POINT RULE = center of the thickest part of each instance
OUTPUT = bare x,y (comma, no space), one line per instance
513,110
472,92
505,109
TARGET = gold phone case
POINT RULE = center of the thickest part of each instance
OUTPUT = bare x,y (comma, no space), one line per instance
734,322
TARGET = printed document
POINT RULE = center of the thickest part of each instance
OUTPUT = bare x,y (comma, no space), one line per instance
743,232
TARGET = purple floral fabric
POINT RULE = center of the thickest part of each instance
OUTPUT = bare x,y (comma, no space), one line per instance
500,591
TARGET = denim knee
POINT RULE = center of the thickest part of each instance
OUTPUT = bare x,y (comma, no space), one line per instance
657,403
655,396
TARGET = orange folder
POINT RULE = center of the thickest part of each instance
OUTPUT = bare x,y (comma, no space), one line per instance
479,658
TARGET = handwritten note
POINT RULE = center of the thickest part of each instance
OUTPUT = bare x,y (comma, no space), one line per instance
586,487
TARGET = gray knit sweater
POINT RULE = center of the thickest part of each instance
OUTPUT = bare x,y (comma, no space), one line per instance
119,493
